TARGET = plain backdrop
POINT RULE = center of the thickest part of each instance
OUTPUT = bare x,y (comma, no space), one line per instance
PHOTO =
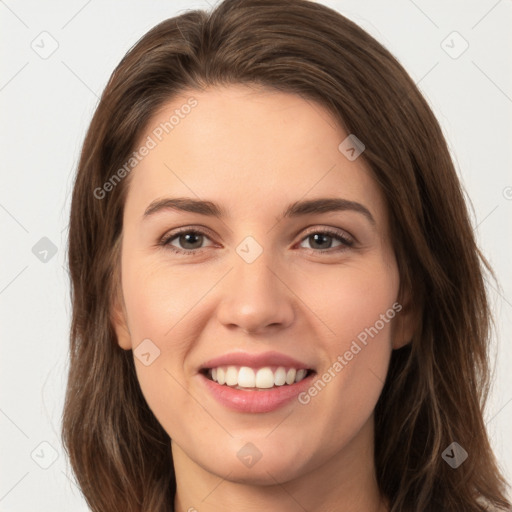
56,58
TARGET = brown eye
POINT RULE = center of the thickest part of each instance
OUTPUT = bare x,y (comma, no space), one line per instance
189,241
323,240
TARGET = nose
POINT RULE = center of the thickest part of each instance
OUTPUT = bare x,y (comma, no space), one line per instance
255,297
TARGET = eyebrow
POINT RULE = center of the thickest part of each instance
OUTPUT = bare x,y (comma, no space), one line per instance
296,209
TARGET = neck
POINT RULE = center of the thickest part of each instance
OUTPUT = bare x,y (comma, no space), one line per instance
345,482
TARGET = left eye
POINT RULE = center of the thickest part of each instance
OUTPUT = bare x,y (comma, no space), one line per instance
191,241
321,237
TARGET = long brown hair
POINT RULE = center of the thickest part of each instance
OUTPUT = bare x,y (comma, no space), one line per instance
436,386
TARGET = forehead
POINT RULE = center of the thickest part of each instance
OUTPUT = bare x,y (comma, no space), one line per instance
249,148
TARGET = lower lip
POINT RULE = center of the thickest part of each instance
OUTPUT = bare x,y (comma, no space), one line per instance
256,401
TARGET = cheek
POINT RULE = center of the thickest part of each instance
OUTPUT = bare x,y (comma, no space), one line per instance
359,307
163,306
159,304
158,299
355,303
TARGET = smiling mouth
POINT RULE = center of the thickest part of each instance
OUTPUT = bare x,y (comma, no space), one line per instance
256,379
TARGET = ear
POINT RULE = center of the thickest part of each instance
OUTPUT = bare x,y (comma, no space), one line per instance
119,322
407,320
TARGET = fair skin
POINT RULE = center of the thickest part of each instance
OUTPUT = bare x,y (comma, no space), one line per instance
254,152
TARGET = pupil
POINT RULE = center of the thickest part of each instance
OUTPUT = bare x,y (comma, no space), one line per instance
320,236
188,236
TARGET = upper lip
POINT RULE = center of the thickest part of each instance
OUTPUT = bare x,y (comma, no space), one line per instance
255,360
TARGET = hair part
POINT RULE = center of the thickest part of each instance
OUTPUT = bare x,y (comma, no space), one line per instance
436,386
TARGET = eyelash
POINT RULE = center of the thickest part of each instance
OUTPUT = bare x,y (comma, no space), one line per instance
345,241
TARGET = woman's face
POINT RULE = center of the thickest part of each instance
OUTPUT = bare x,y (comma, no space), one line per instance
274,284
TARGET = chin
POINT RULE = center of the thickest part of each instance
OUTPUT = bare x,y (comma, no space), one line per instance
267,466
262,473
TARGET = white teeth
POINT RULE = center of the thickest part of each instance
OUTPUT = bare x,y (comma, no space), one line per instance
261,378
246,377
280,376
265,378
300,375
231,376
290,376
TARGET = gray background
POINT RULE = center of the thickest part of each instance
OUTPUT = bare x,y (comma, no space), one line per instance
47,102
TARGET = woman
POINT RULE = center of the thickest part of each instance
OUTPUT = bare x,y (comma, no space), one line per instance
323,343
